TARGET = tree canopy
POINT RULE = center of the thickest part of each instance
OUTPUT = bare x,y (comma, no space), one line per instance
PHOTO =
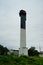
33,52
3,50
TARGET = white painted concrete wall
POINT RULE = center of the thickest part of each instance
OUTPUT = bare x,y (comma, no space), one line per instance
22,38
23,50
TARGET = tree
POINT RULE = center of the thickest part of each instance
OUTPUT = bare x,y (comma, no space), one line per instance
33,52
3,50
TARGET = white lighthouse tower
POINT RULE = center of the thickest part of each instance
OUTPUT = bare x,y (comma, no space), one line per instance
23,50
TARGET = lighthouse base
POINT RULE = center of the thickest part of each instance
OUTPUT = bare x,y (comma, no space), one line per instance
23,51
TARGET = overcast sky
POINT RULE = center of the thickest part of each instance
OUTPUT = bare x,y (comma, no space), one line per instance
10,23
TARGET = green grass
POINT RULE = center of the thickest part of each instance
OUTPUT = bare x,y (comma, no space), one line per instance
20,60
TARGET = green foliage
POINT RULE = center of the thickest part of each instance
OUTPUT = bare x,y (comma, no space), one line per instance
20,60
33,52
3,50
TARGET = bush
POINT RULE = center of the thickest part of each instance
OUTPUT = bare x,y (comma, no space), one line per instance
20,60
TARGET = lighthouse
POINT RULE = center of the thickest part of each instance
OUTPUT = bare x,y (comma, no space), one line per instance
23,50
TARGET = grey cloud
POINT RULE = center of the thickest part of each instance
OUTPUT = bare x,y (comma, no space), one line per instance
10,22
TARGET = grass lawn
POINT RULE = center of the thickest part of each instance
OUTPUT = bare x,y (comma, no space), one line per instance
20,60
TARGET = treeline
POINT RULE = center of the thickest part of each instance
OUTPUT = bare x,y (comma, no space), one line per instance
31,51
